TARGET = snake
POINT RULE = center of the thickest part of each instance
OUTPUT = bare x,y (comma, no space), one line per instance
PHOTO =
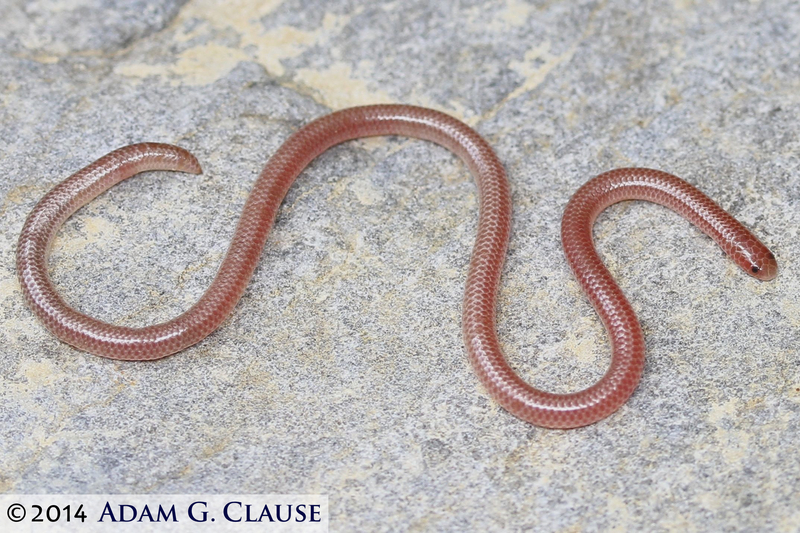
479,327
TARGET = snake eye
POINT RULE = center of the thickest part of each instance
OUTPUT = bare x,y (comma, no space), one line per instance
754,269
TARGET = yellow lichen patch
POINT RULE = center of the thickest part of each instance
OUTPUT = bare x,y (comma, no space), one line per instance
710,500
684,5
282,43
232,14
335,86
718,412
94,228
365,192
537,63
20,194
9,287
47,59
261,385
582,341
514,14
218,442
618,508
200,65
286,42
40,373
338,88
17,328
206,63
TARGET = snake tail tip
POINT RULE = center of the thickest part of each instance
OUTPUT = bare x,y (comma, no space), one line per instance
192,166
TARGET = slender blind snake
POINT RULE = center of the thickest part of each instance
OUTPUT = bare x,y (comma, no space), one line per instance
483,279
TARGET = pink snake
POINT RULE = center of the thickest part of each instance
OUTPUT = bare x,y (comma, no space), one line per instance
504,385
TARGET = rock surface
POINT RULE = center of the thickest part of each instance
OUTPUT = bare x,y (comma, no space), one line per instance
342,370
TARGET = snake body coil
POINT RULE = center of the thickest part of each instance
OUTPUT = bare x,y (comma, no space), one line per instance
535,406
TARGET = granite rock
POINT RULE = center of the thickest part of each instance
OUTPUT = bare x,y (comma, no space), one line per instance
342,370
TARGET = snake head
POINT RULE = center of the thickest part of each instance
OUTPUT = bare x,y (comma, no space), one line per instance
759,262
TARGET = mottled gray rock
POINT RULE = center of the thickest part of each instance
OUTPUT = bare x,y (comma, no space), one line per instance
342,370
51,29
